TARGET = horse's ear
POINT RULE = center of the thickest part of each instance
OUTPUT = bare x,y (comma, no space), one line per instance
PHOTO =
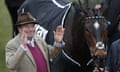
84,9
104,10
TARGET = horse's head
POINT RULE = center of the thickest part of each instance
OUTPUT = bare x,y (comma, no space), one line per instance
88,29
96,36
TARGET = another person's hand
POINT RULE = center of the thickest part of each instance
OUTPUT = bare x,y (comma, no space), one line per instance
102,69
95,69
98,6
59,33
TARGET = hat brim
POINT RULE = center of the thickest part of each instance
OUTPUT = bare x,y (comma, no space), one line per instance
23,23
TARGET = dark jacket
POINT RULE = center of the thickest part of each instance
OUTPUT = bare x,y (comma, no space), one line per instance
113,57
112,15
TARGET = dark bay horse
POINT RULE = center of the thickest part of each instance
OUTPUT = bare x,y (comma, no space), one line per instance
85,38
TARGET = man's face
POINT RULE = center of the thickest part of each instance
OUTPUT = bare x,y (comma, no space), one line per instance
28,29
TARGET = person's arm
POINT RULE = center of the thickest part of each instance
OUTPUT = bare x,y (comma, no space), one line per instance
58,37
111,56
55,50
14,56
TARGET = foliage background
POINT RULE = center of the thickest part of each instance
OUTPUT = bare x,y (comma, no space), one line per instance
5,33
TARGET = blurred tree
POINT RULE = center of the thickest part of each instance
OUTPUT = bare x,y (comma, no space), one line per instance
92,3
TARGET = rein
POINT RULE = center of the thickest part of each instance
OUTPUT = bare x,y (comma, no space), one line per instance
96,65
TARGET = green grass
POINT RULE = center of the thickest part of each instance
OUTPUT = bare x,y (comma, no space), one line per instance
5,33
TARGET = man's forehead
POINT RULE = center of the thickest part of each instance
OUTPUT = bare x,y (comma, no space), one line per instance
28,24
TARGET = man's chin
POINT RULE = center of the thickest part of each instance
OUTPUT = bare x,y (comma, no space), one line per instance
30,37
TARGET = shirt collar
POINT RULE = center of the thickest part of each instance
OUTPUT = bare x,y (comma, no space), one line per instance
31,42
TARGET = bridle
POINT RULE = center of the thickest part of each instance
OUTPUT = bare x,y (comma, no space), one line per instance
100,46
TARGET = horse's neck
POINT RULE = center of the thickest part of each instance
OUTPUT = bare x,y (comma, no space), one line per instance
76,46
79,52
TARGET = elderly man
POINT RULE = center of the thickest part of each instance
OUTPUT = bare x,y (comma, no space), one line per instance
27,52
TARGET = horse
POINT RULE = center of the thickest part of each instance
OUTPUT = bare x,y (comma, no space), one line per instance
85,38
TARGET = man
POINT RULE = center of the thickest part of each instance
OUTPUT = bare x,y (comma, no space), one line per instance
113,56
113,60
112,15
29,53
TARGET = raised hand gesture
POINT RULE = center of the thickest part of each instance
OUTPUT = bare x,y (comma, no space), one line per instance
24,37
59,33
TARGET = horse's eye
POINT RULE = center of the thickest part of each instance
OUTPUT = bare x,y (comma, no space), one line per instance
86,29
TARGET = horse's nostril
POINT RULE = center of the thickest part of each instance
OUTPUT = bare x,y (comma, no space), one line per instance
100,45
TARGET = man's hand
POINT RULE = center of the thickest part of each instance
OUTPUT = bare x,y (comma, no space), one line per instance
24,38
59,33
